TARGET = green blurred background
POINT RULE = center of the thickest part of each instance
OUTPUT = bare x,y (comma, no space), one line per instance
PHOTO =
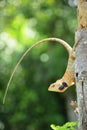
29,105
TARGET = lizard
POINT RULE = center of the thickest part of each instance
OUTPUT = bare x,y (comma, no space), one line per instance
61,85
68,79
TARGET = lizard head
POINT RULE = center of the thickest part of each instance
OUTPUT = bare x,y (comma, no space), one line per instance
58,86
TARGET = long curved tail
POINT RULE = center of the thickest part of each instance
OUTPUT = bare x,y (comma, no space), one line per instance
65,44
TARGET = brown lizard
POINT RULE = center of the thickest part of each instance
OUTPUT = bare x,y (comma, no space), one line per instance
68,78
60,85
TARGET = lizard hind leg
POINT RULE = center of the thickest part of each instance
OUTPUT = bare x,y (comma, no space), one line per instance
65,44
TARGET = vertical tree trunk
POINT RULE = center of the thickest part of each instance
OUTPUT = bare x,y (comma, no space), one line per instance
81,64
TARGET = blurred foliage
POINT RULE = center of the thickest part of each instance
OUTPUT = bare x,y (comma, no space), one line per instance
67,126
29,105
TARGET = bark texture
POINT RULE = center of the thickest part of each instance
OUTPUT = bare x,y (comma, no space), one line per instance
82,14
81,77
81,64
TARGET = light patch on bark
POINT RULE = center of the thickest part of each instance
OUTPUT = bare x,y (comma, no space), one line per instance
82,14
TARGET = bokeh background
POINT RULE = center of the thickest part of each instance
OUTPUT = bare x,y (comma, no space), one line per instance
29,105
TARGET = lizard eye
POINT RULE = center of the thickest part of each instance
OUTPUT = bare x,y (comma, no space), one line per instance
64,84
61,87
53,85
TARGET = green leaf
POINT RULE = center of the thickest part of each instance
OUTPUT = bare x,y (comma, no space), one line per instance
67,126
71,124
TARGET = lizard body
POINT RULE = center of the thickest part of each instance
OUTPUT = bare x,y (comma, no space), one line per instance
68,77
65,44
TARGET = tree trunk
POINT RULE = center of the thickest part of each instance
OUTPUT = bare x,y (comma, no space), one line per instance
81,64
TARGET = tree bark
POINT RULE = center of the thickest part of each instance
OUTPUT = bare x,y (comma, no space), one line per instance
81,64
81,78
